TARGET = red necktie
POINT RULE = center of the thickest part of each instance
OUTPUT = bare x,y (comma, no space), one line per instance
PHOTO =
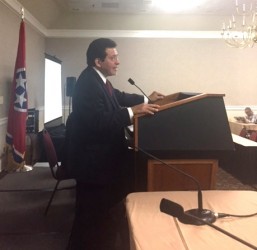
109,87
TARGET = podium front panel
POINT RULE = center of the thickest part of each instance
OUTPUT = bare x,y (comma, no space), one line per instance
200,125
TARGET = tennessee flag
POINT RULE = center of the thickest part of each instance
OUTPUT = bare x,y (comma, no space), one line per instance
17,116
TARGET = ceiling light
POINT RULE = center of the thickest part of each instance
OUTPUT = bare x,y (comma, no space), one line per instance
176,6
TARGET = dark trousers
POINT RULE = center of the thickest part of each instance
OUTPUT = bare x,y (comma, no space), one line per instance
100,219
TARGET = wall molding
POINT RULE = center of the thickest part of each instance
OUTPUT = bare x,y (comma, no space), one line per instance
3,121
16,7
134,34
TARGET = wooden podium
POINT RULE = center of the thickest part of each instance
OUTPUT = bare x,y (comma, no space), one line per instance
190,131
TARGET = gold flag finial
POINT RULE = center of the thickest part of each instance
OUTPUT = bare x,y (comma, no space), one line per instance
22,13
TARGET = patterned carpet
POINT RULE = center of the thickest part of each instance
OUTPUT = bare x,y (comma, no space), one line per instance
23,224
226,181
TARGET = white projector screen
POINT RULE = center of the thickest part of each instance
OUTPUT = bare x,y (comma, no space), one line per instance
53,89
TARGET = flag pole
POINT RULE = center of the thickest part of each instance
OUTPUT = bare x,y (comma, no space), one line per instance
17,115
25,167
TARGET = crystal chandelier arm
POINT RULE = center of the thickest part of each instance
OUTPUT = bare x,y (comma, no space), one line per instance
244,10
245,36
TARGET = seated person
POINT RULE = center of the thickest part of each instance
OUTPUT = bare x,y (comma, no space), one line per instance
250,116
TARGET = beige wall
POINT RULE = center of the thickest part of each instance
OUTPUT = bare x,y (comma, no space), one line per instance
172,65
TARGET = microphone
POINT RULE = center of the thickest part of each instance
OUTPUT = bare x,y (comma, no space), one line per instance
203,214
176,210
133,83
171,208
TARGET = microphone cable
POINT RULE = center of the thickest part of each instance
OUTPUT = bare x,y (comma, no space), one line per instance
216,215
223,215
203,214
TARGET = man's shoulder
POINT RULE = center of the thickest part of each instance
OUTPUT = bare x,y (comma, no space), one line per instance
88,75
88,71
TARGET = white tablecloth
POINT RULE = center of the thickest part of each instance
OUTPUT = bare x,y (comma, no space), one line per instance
151,229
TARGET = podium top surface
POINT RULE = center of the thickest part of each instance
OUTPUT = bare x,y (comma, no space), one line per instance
181,98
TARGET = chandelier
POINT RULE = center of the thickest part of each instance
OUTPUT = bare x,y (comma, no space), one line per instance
241,30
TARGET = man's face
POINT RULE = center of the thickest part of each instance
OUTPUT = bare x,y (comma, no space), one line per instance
248,112
109,66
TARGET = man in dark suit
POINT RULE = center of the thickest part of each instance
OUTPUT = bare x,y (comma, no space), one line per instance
98,154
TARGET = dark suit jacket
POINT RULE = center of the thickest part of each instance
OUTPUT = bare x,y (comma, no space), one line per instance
97,143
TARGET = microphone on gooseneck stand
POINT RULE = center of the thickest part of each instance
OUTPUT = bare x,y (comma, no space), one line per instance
203,214
176,210
197,216
133,83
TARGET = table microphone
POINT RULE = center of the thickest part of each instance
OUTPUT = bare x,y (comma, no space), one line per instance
176,210
133,83
203,214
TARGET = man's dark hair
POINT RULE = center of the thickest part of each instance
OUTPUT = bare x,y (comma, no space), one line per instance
96,49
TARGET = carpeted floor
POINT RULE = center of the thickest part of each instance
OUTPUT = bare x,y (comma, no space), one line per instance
23,225
226,181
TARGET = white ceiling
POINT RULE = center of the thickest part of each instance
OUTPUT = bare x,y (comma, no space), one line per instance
146,6
205,7
50,12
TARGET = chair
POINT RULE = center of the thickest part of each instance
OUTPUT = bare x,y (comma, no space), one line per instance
253,136
243,133
58,171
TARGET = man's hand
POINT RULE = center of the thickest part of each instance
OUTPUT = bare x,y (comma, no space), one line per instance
145,108
155,96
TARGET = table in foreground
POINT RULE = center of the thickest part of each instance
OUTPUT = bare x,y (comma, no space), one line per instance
151,229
